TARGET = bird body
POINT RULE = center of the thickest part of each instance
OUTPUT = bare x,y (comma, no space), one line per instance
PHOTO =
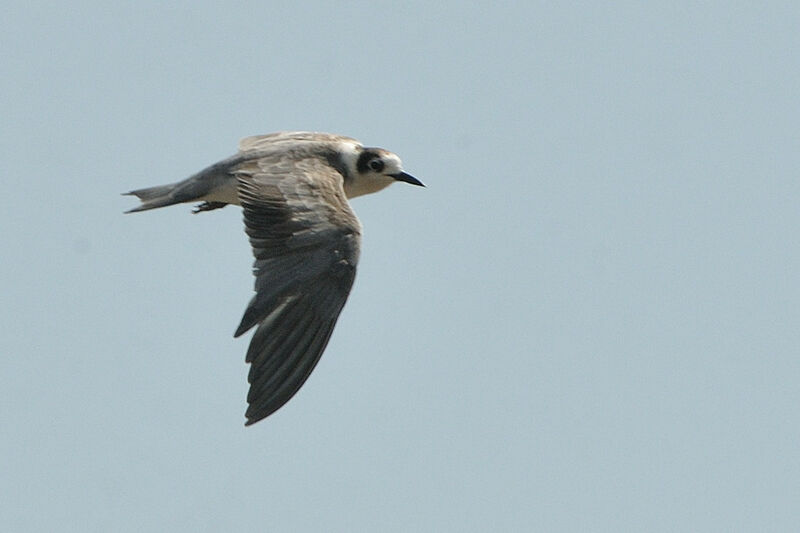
293,189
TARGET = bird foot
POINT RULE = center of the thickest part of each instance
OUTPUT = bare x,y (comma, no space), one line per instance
208,206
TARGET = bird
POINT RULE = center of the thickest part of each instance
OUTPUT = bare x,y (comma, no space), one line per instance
293,188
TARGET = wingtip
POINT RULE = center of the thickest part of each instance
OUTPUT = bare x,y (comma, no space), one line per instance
252,419
247,322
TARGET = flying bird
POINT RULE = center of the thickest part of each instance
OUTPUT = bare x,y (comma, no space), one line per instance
293,188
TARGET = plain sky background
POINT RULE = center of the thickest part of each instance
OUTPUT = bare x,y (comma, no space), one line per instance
588,320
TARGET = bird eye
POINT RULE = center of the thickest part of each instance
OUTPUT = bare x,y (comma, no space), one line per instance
376,165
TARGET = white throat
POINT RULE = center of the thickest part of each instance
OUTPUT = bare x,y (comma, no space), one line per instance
359,185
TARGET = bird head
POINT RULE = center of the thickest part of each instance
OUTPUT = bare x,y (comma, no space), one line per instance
373,169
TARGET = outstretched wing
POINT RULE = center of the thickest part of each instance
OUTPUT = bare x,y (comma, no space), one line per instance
306,240
270,140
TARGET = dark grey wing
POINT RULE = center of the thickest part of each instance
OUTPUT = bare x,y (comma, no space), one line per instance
306,240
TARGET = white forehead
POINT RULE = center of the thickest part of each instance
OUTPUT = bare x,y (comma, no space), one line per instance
390,160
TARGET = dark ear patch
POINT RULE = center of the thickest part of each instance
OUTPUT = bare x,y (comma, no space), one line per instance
362,165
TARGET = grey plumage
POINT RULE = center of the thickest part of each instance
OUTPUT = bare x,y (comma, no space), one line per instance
293,189
192,189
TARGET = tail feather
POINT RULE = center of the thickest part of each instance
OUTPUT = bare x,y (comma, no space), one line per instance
199,187
153,197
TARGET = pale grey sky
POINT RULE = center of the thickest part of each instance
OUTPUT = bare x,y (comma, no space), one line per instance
587,321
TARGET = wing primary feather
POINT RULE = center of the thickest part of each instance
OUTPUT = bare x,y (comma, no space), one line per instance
267,350
292,382
275,351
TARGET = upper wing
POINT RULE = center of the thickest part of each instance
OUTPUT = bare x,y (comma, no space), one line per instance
265,142
306,240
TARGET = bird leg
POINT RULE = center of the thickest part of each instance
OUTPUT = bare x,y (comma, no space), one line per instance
208,206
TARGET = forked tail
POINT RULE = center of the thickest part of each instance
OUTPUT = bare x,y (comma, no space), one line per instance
153,197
